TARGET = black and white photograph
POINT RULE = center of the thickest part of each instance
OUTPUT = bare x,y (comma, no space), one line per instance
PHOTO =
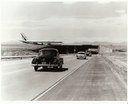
64,50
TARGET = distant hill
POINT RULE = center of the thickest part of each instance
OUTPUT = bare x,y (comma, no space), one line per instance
11,42
101,43
18,44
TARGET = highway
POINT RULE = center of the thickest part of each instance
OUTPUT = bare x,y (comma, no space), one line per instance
90,79
21,82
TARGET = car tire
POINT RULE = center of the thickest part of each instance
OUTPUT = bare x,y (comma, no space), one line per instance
34,61
44,67
36,68
60,66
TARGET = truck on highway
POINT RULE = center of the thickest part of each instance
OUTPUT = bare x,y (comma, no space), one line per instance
47,57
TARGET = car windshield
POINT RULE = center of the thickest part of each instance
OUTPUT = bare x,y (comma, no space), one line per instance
48,52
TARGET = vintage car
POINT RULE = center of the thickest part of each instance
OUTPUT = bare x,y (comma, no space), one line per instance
47,57
88,53
81,55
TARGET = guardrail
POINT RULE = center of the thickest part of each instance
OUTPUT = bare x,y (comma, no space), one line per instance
18,57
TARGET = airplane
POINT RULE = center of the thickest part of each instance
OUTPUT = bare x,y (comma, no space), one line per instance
63,48
25,40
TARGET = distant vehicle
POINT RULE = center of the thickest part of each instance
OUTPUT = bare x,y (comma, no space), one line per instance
47,57
93,50
81,55
88,53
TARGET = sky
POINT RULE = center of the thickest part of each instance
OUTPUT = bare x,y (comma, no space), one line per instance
64,21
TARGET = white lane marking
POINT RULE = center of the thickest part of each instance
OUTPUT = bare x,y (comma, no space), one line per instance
57,82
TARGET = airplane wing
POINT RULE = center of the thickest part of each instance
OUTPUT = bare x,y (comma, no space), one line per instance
25,40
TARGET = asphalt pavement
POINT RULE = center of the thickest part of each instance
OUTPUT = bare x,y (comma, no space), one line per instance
86,80
21,82
94,81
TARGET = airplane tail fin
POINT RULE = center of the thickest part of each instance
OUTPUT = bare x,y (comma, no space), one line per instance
24,37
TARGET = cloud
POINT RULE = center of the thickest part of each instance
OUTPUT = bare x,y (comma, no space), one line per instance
42,10
89,21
